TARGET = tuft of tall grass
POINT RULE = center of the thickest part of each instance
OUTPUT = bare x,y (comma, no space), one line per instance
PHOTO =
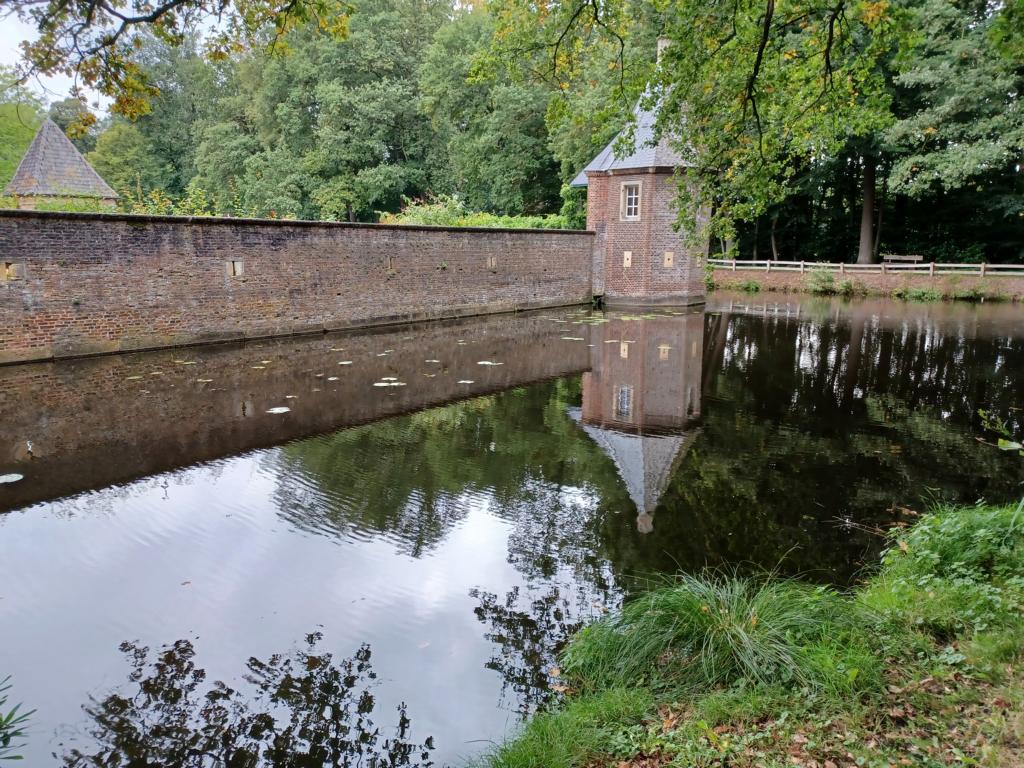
574,733
703,632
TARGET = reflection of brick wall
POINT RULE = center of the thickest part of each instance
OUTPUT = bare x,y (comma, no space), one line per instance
659,360
97,421
875,283
647,240
107,283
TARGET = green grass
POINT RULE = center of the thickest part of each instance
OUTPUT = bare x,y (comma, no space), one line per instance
751,286
917,294
12,724
922,659
702,632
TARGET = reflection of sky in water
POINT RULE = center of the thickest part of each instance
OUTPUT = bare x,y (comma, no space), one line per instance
464,543
205,556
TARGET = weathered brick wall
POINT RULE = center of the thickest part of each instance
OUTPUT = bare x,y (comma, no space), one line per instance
647,240
96,421
877,283
88,283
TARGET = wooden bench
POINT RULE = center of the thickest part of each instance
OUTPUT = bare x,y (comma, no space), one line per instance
897,258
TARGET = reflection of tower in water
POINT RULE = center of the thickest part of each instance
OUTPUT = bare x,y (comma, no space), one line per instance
641,400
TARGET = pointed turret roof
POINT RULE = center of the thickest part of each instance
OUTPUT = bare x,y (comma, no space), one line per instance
646,152
53,166
645,462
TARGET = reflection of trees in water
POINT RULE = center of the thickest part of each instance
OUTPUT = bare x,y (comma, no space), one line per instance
298,710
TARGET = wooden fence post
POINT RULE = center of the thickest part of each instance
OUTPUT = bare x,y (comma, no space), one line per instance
931,268
983,268
768,265
734,265
842,267
802,267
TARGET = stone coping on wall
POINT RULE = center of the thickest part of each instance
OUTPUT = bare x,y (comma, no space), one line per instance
146,218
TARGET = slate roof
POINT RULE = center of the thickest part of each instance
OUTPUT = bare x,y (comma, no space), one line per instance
53,166
646,152
645,462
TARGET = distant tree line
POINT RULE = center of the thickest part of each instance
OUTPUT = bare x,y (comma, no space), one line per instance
814,131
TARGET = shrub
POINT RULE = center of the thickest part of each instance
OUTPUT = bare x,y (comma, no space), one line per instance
450,212
822,282
703,632
12,724
916,294
751,286
958,570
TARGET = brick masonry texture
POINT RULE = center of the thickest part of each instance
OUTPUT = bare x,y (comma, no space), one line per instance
647,280
102,420
93,283
1011,288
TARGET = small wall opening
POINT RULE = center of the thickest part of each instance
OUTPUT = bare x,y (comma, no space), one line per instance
14,270
234,268
669,259
627,259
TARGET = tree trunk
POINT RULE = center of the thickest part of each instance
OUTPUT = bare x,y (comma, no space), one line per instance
775,247
881,209
865,252
757,225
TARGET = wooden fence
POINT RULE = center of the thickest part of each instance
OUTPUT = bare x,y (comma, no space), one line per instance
984,270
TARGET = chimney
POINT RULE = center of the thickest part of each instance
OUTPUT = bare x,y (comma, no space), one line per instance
663,43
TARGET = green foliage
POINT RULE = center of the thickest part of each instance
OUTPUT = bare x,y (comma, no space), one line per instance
705,632
495,155
958,571
917,294
575,733
73,205
12,724
126,162
821,281
76,120
944,607
447,211
19,121
751,286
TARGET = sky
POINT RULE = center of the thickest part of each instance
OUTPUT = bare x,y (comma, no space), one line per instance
12,32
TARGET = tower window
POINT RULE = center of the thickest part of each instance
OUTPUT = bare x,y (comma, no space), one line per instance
623,402
629,206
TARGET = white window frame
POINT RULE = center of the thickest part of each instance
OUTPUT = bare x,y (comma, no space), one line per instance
623,404
624,214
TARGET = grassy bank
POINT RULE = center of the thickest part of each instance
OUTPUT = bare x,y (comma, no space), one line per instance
826,284
920,665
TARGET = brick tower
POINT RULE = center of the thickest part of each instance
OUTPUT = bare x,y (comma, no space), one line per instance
639,259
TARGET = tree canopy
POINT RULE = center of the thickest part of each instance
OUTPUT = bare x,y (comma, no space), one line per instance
814,130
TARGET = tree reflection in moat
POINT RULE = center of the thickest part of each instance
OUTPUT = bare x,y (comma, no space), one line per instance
298,710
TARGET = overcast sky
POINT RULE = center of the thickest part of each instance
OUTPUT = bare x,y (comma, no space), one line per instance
12,32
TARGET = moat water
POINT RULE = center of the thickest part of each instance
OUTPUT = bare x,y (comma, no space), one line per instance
383,573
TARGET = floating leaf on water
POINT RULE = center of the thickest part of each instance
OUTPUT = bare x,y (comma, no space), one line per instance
488,362
337,349
204,381
1009,445
132,378
157,373
389,378
465,381
430,375
266,362
432,361
144,391
319,376
258,367
278,409
315,389
190,362
11,477
332,378
290,397
344,362
611,341
389,383
573,338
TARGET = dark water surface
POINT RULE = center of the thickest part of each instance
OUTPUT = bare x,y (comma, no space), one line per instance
382,574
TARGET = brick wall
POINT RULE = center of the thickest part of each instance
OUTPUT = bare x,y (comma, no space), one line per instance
647,240
89,283
876,283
